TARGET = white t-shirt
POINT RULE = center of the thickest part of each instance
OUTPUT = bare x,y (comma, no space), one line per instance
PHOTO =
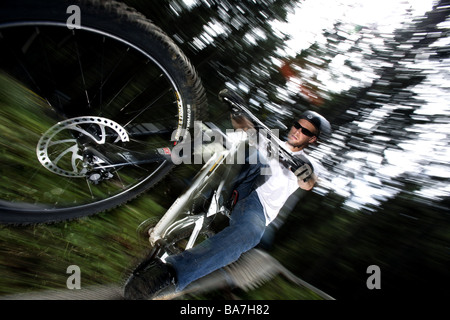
279,185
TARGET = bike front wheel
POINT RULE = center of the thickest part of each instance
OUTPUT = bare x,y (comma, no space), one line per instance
86,106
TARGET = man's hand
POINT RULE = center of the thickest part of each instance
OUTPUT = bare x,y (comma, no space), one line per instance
238,118
308,184
241,122
304,171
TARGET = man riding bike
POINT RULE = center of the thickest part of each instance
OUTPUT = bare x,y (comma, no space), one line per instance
258,205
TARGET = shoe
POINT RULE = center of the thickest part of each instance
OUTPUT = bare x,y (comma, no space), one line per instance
145,284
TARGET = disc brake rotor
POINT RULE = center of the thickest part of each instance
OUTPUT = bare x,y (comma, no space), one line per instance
59,151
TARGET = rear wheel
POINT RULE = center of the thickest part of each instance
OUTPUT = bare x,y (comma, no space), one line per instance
87,114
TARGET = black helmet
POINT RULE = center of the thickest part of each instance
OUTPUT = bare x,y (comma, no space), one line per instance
322,125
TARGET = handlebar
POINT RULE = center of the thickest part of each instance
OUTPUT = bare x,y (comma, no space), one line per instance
236,102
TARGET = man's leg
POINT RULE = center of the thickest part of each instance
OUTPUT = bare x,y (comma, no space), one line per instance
247,225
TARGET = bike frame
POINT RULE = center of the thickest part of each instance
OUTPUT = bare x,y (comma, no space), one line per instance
169,224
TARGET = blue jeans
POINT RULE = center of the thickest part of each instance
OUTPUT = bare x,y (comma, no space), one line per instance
246,228
247,225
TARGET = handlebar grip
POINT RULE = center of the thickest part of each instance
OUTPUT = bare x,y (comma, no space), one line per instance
301,167
222,94
232,99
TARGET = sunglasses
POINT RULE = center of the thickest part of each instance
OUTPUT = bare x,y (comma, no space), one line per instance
305,131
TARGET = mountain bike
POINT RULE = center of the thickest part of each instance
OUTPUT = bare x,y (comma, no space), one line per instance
102,104
90,107
206,205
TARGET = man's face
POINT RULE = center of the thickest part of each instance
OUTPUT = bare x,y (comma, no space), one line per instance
302,136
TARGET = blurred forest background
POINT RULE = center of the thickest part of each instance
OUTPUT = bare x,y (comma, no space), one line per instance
384,86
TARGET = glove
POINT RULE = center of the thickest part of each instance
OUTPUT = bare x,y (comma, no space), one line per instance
302,168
